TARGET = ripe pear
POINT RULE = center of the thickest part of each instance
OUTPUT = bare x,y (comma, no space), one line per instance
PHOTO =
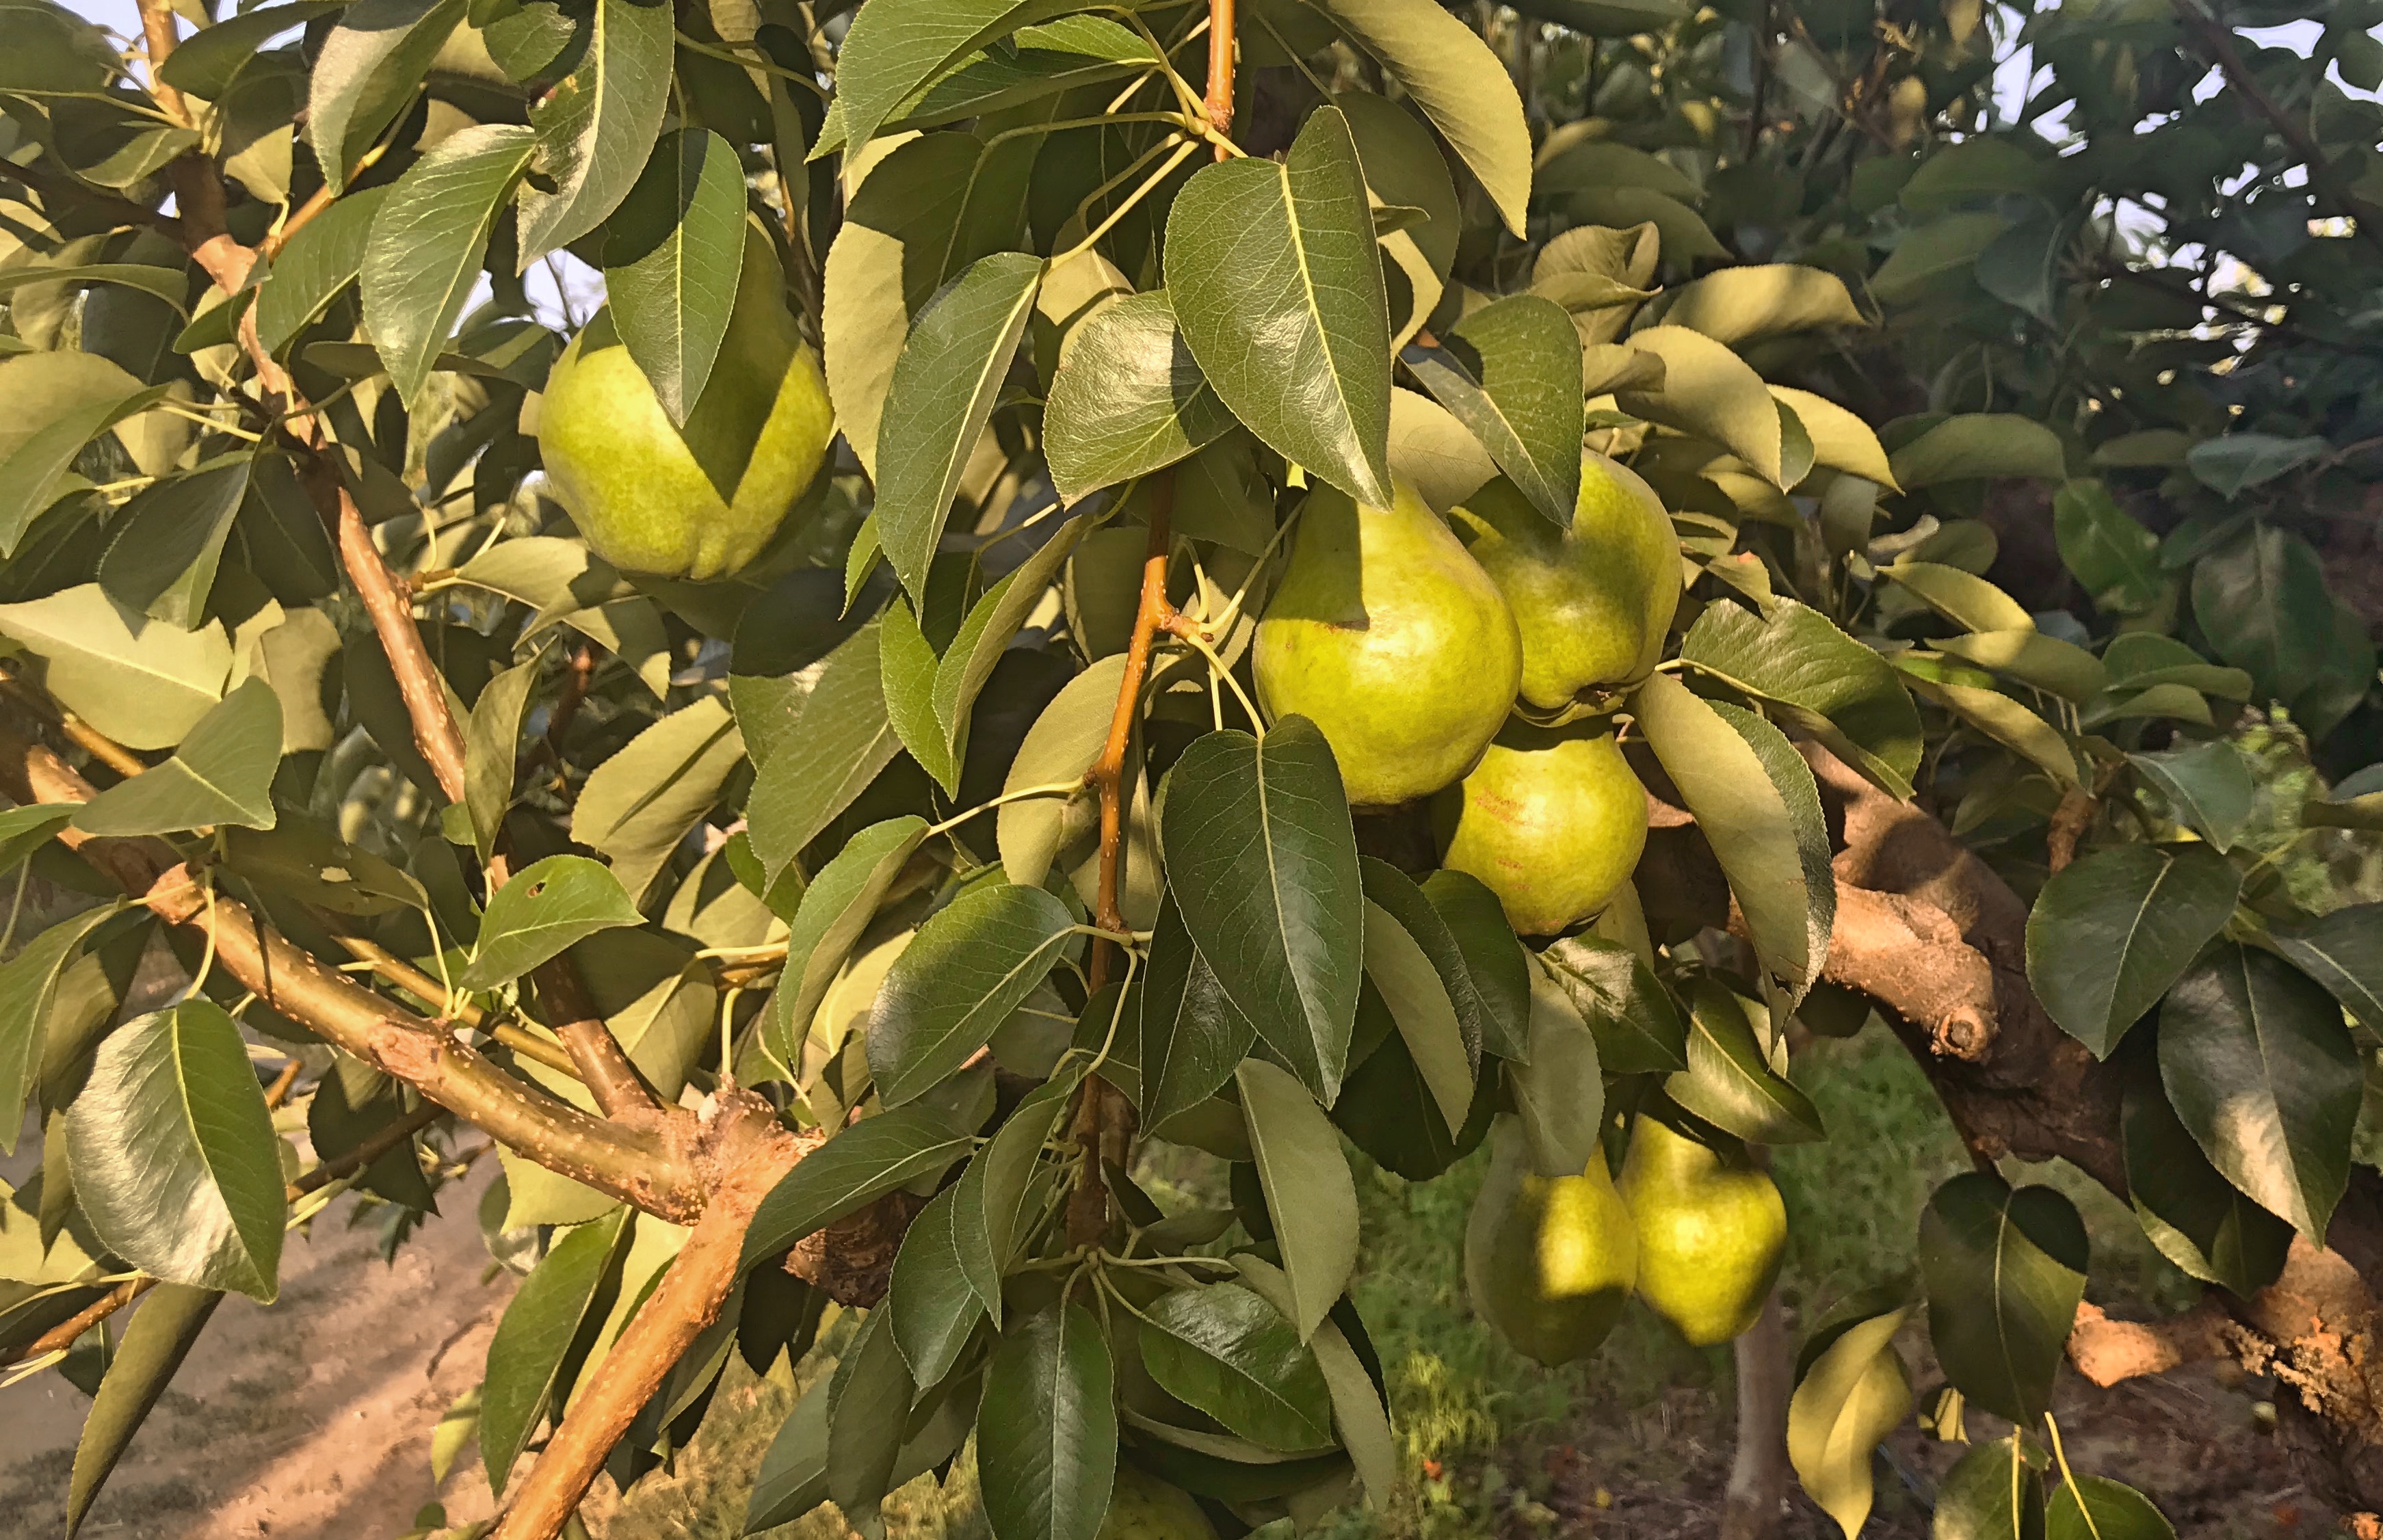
1142,1507
1549,1261
1712,1231
1552,821
1593,602
700,501
1392,640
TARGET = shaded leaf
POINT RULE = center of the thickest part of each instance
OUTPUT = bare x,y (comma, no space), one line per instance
597,125
1128,399
370,66
2192,1213
2095,1508
160,1335
1493,959
1992,1493
1306,1181
2004,1269
2106,549
1830,685
1638,1031
1460,85
859,1163
1047,1428
2111,931
221,773
835,747
1731,1083
1191,1034
672,251
170,538
536,1334
1227,1353
2208,787
2343,951
1511,373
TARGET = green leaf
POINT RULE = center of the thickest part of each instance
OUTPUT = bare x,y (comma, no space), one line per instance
992,1191
1854,1396
2263,602
869,1405
491,743
1978,445
1731,1083
28,981
1407,904
835,908
991,624
1460,85
1191,1034
1047,1428
140,681
1826,683
170,284
859,1164
1387,1110
1800,793
1748,824
2095,1508
170,538
546,906
934,1307
1227,1353
1358,1414
1262,856
1708,392
174,1158
2260,1067
1409,986
1493,959
2208,786
160,1336
793,1477
536,1334
1994,713
27,829
1992,1493
2111,931
366,74
971,963
2004,1269
2343,951
2032,657
323,258
1945,249
356,1103
832,752
1059,748
937,403
2106,549
891,52
1965,598
1840,439
597,125
427,242
204,63
2239,462
1638,1029
1559,1092
1511,373
1034,62
1306,1183
50,405
2191,1212
1276,286
221,774
639,805
1737,304
672,251
1128,399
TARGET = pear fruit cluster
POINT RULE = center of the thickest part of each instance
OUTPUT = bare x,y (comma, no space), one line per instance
696,501
1410,641
1694,1230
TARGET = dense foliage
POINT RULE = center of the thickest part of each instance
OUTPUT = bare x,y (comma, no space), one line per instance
525,728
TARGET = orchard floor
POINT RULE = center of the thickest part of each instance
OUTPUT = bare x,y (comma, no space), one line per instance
312,1421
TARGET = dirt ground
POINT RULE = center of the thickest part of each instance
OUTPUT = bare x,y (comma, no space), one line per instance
310,1421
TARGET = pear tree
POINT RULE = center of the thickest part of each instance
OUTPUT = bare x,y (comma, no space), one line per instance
1333,585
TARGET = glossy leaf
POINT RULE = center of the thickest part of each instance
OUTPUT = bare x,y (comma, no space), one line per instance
1827,683
1460,85
2343,951
175,1157
1306,1181
427,242
1047,1428
988,1200
1638,1031
1731,1083
1408,906
1511,373
859,1163
1278,289
2111,931
536,1334
221,774
2261,1069
323,258
1418,1001
672,251
1493,959
1800,793
2192,1213
2208,787
546,907
597,125
1128,399
971,964
890,54
1191,1034
1262,857
163,1329
868,1407
2004,1269
370,66
1227,1353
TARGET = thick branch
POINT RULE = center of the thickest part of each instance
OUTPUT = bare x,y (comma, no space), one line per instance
1766,1380
595,1055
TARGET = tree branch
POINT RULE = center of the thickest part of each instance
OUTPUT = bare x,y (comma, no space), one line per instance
1766,1382
67,1333
595,1055
1222,56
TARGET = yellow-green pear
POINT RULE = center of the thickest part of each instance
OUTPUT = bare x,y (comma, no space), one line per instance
1549,1261
702,500
1552,821
1392,640
1142,1507
1594,601
1712,1231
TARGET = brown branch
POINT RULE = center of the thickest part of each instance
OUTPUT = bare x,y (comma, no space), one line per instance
67,1333
2070,821
84,736
1909,955
1222,55
2106,1352
596,1054
750,1152
390,1137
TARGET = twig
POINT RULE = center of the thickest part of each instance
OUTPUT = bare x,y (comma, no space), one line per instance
407,976
1221,59
619,1091
98,744
390,1137
67,1333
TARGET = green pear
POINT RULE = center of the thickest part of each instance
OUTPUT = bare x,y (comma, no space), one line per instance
1142,1507
1552,821
1549,1262
1712,1231
1392,640
702,500
1593,602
